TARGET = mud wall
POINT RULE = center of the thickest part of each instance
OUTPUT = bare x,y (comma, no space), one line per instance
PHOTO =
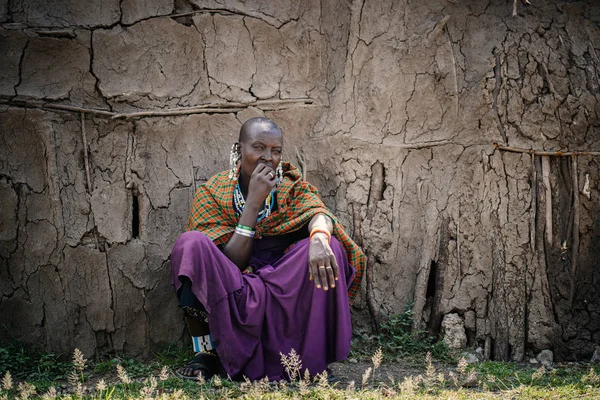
391,107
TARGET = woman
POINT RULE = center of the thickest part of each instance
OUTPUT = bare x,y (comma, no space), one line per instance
264,267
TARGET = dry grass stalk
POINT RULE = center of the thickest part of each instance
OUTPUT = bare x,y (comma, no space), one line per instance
292,364
7,381
430,371
149,387
164,373
200,379
377,358
591,377
101,385
366,376
123,377
51,394
408,386
462,365
322,380
26,390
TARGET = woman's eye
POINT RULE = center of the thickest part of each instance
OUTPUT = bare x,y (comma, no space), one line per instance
258,148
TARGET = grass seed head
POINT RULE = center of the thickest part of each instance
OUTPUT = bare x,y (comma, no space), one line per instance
292,364
538,373
408,386
164,373
123,375
50,394
462,365
591,377
78,360
26,390
323,381
200,379
216,381
377,358
7,381
101,385
365,377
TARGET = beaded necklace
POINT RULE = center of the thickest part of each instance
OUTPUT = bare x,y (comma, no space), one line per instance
239,202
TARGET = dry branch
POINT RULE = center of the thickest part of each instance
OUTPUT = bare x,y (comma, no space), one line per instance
575,243
50,106
556,153
458,243
264,105
548,189
534,204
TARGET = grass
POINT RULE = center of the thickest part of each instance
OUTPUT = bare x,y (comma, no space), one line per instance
399,343
123,378
431,371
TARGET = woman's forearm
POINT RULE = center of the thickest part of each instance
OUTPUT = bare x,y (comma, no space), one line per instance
239,248
320,221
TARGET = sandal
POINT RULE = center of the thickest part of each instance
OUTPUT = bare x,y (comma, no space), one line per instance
207,363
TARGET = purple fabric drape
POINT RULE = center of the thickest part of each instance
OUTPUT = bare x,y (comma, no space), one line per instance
255,317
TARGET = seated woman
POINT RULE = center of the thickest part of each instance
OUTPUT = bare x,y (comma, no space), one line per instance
265,266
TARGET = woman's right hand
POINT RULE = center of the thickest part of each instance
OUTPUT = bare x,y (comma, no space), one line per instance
261,183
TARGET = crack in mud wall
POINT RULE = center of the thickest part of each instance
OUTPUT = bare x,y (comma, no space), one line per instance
405,103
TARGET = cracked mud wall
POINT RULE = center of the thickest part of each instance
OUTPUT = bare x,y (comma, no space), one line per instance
391,107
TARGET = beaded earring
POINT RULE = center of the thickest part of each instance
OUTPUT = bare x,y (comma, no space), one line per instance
279,172
234,159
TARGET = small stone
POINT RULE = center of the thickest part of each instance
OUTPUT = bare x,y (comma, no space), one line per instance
453,328
596,355
545,357
472,358
533,361
352,360
479,351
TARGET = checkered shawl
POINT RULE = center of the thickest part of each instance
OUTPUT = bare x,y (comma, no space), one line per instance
298,201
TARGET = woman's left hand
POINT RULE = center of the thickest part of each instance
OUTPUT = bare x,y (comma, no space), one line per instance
323,268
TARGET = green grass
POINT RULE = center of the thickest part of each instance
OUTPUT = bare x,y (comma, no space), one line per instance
399,343
428,378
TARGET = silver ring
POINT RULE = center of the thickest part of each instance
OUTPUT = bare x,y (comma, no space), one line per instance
271,175
322,266
329,268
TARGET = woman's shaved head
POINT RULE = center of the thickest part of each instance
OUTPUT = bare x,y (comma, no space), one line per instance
255,125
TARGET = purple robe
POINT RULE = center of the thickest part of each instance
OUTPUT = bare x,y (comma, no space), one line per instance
255,317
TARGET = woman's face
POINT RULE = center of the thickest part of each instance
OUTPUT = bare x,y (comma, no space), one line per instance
262,144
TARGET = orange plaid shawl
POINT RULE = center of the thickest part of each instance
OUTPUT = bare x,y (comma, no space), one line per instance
298,201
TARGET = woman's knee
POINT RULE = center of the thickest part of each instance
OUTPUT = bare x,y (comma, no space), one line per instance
192,236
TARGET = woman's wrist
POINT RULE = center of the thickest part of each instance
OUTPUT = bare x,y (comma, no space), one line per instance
320,232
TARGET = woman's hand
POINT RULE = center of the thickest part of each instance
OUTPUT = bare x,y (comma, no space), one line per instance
323,268
261,183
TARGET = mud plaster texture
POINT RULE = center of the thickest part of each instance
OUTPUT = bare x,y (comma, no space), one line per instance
392,109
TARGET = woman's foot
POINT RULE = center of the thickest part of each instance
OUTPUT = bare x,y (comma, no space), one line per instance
205,363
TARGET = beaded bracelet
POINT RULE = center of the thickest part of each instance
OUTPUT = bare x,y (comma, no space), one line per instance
243,231
325,231
246,228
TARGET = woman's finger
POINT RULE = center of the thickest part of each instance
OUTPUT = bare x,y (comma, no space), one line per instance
323,276
334,265
330,276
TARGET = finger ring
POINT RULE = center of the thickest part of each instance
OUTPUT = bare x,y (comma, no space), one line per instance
322,266
329,268
271,175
